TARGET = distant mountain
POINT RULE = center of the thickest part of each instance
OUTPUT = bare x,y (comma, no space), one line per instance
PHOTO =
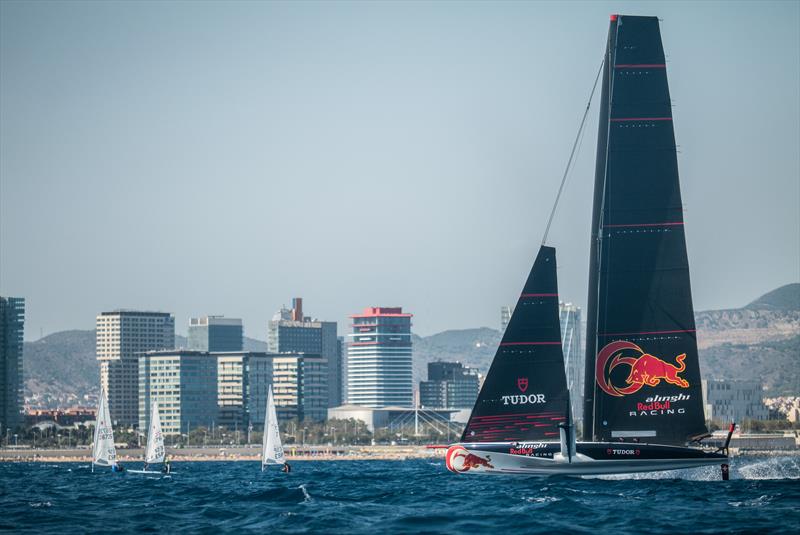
472,347
61,369
784,298
759,341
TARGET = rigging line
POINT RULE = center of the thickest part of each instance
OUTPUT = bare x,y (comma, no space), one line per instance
572,152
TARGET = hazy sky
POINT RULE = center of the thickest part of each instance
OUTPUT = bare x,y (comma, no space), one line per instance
204,158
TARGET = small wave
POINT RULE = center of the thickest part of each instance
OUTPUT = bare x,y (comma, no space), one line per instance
758,502
541,499
307,496
40,504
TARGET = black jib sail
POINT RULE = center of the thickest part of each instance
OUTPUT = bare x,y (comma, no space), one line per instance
524,396
642,372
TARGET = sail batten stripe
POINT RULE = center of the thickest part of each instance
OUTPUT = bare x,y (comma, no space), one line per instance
530,344
665,224
641,66
623,119
649,332
539,295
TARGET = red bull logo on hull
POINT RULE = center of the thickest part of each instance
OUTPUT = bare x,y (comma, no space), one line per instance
644,369
459,460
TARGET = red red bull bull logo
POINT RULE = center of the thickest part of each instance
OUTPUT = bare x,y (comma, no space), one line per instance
644,369
459,460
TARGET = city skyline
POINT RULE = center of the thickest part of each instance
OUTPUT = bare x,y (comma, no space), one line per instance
120,126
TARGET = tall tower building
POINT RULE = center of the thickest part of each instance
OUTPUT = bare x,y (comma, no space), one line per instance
12,321
122,337
505,317
570,316
215,333
379,358
290,331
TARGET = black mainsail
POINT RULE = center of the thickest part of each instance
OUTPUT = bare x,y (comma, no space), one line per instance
642,371
524,396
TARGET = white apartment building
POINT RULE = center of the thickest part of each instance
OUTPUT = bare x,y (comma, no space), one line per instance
122,337
379,359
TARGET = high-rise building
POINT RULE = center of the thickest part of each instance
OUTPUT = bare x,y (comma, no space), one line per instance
12,322
122,337
379,358
184,383
215,333
450,385
243,379
300,387
342,348
505,317
290,331
570,316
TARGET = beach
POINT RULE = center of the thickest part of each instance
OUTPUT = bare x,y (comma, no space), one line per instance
231,453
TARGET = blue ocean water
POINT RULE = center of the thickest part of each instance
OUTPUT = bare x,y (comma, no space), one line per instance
396,497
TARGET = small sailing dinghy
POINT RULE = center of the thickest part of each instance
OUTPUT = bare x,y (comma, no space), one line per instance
643,400
103,451
271,448
155,453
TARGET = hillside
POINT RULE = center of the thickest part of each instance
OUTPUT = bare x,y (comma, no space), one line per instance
758,341
472,347
784,298
61,369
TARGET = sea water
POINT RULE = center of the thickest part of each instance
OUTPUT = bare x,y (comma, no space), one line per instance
412,496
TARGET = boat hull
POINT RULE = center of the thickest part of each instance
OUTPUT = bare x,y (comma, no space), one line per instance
591,458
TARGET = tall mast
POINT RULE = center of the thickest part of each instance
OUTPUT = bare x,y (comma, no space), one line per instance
594,256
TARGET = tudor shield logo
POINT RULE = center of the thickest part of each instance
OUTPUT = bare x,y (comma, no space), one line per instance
522,384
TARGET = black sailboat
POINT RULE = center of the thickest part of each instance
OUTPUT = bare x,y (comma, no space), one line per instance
643,400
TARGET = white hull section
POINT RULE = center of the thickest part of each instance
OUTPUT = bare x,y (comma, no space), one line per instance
462,460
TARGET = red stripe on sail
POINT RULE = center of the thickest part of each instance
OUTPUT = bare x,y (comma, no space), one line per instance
649,332
622,119
665,224
530,344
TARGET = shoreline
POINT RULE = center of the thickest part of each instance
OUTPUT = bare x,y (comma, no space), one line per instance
321,453
296,453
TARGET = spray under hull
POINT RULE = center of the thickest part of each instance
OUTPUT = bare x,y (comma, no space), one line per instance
591,458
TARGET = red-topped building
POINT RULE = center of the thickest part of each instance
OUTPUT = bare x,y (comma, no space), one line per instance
379,358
